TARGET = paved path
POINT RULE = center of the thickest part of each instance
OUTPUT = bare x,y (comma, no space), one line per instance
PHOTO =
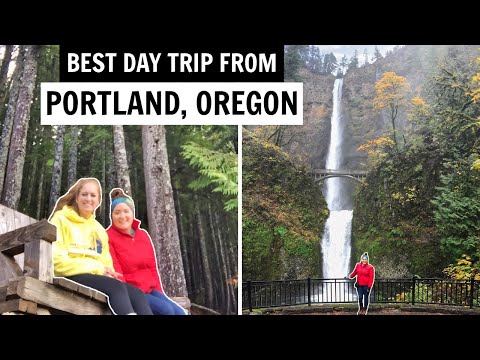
376,309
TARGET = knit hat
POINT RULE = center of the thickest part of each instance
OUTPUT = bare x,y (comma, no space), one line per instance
118,197
365,256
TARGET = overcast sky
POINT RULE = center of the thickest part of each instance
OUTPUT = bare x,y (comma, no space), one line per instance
340,50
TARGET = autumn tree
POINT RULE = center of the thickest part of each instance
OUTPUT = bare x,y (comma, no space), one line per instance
476,81
376,149
390,93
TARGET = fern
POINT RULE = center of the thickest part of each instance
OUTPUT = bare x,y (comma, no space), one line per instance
216,168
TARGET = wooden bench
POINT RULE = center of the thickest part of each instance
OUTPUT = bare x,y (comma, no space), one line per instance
27,285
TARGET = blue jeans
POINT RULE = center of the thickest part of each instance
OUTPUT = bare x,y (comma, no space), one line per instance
162,305
363,295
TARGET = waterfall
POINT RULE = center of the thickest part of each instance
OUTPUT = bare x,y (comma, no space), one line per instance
336,249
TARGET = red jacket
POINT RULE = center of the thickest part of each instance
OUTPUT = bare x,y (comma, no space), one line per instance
134,257
365,274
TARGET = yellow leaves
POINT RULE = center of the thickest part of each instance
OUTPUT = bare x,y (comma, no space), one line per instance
409,195
374,145
419,108
233,281
476,164
390,91
375,148
475,93
418,102
462,270
401,297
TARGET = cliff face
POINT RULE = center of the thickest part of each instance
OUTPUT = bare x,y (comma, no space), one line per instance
312,139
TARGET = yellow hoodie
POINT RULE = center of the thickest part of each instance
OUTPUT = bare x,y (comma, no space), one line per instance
81,246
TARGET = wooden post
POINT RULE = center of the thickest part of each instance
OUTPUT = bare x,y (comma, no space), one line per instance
35,241
38,262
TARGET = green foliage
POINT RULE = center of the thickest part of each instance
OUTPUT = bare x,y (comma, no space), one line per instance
216,168
457,209
292,62
283,214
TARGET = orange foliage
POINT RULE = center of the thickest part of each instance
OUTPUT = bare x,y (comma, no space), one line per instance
390,91
233,280
476,81
373,146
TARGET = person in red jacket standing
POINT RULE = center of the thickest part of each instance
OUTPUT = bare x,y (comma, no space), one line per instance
134,256
365,274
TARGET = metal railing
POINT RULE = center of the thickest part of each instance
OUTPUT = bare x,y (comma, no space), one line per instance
262,294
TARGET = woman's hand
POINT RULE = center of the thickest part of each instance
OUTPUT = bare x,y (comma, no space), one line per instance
112,273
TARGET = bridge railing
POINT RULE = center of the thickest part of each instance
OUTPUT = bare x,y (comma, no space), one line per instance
339,172
263,294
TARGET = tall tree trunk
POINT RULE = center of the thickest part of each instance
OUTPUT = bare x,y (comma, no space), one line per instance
9,117
57,168
72,156
121,164
110,169
218,272
16,157
224,249
104,214
194,258
162,220
31,183
182,236
207,272
222,292
3,75
40,193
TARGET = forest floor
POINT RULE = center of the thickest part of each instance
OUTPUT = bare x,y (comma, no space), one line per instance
375,309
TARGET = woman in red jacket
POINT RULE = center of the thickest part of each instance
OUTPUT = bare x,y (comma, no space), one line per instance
365,274
133,254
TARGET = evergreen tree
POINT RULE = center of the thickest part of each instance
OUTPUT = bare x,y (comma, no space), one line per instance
377,55
344,63
292,62
315,60
353,61
329,63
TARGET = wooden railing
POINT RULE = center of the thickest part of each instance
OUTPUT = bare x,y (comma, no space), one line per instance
27,284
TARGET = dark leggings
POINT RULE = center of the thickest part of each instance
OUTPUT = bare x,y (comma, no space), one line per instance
122,298
363,296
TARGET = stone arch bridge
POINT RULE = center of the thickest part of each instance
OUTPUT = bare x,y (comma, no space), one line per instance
320,175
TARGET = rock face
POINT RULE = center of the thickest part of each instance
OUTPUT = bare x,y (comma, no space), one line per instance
312,139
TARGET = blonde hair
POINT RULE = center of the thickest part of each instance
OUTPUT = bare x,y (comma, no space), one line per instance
72,194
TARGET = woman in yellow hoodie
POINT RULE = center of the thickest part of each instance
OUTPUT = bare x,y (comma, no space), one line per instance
81,251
